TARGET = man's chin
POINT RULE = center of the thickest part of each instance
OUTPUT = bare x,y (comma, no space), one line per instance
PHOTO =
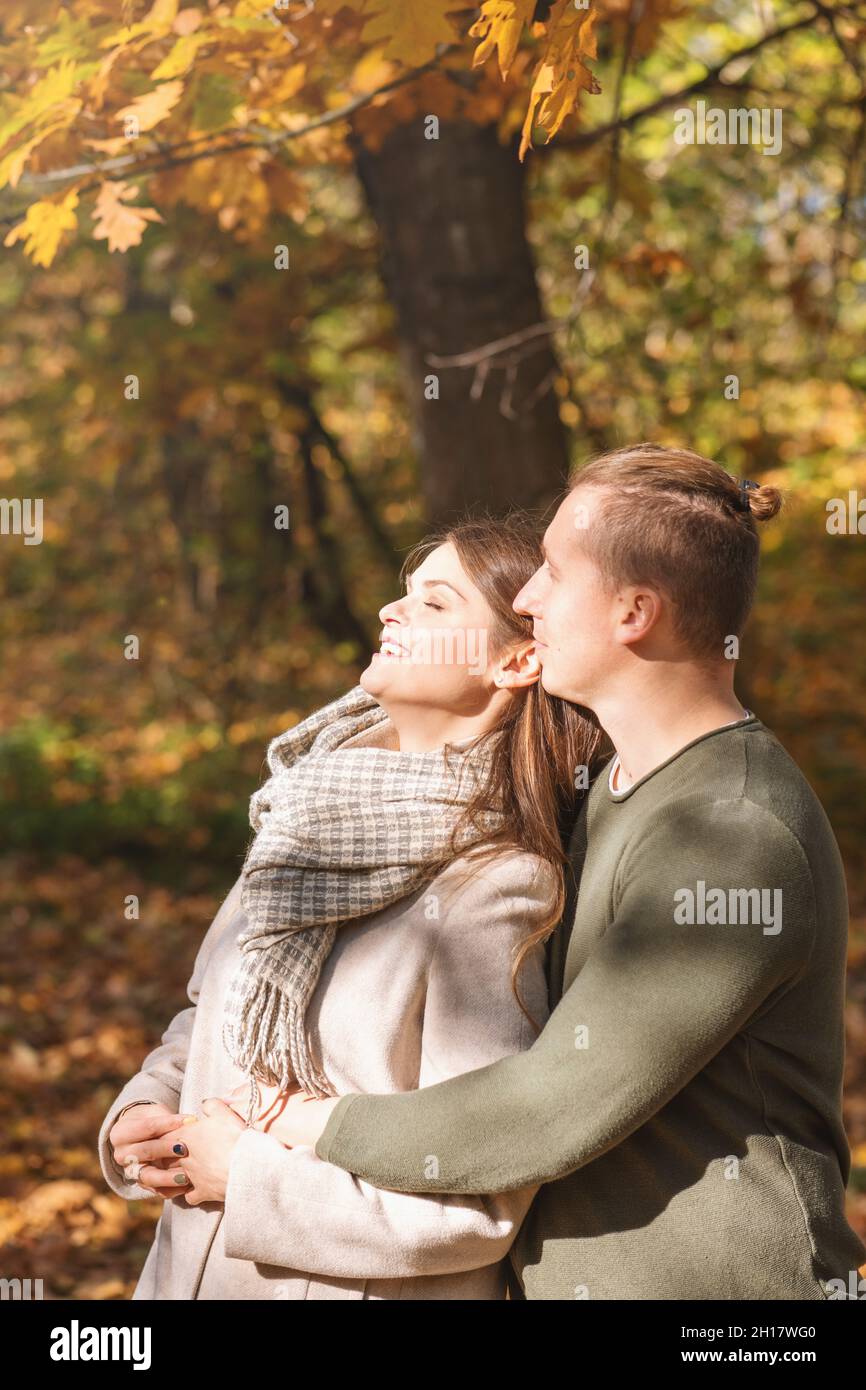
555,683
548,679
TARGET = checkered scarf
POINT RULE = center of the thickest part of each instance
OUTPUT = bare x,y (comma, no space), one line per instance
342,831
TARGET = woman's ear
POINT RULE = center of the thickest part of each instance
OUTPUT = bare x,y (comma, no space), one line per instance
521,668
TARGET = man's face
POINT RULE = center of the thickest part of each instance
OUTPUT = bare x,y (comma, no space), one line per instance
574,617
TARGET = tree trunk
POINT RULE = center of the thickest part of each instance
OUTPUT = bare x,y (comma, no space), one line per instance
458,270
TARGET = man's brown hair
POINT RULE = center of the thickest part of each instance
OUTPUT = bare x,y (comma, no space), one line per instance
676,520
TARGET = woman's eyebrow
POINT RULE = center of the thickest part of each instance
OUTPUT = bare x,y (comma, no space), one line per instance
438,583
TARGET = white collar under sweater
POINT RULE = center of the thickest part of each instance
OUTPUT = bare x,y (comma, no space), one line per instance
615,765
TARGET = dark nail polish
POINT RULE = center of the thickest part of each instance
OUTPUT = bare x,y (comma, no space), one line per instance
180,1149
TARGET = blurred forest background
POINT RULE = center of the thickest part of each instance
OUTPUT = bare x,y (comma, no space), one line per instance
250,213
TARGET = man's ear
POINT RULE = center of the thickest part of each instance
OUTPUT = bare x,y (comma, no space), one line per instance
519,669
640,609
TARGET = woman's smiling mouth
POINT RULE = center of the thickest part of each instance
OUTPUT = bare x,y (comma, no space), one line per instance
392,650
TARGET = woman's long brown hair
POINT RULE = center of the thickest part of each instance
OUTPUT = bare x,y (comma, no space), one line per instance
544,740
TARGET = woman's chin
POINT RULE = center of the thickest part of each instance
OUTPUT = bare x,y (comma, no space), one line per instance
372,678
387,674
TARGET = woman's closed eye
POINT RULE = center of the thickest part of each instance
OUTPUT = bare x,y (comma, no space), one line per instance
437,606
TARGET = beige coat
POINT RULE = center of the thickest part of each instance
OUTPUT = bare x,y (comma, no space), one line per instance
410,996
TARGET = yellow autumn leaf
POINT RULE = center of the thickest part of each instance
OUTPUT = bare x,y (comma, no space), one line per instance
159,20
561,74
162,13
52,89
12,165
500,26
152,107
109,147
43,227
231,188
287,85
411,32
182,56
122,225
99,85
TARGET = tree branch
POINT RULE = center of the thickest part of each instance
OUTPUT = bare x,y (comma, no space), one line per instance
170,158
583,138
319,433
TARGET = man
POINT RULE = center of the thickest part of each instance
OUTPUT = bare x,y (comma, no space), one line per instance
682,1105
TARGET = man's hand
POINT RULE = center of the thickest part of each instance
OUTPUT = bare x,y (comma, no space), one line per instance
301,1119
270,1104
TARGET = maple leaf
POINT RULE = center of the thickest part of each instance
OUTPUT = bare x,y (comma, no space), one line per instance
160,19
500,26
412,32
12,166
181,57
122,225
561,74
152,107
43,227
50,92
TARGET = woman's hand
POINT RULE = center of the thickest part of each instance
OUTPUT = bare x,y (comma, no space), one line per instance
208,1144
135,1135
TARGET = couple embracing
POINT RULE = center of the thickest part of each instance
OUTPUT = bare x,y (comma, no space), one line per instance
494,1012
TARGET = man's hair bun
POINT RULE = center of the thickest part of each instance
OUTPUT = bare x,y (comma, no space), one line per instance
763,501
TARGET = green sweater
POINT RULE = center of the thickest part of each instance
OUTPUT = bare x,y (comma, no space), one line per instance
682,1105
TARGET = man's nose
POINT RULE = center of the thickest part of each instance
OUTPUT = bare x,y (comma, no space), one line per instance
527,600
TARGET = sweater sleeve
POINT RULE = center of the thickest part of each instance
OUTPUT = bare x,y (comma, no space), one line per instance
162,1071
287,1207
655,1000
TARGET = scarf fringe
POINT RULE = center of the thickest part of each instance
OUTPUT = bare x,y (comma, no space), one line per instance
266,1038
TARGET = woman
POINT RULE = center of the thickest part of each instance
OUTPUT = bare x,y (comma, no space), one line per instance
407,868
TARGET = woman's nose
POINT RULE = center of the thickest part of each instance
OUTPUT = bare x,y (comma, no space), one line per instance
391,612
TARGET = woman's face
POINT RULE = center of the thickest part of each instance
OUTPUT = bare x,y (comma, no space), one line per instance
435,647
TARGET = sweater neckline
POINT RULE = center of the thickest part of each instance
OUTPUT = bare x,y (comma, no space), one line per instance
616,798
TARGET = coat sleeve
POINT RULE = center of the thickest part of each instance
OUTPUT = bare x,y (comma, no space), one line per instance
162,1071
287,1207
654,1001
